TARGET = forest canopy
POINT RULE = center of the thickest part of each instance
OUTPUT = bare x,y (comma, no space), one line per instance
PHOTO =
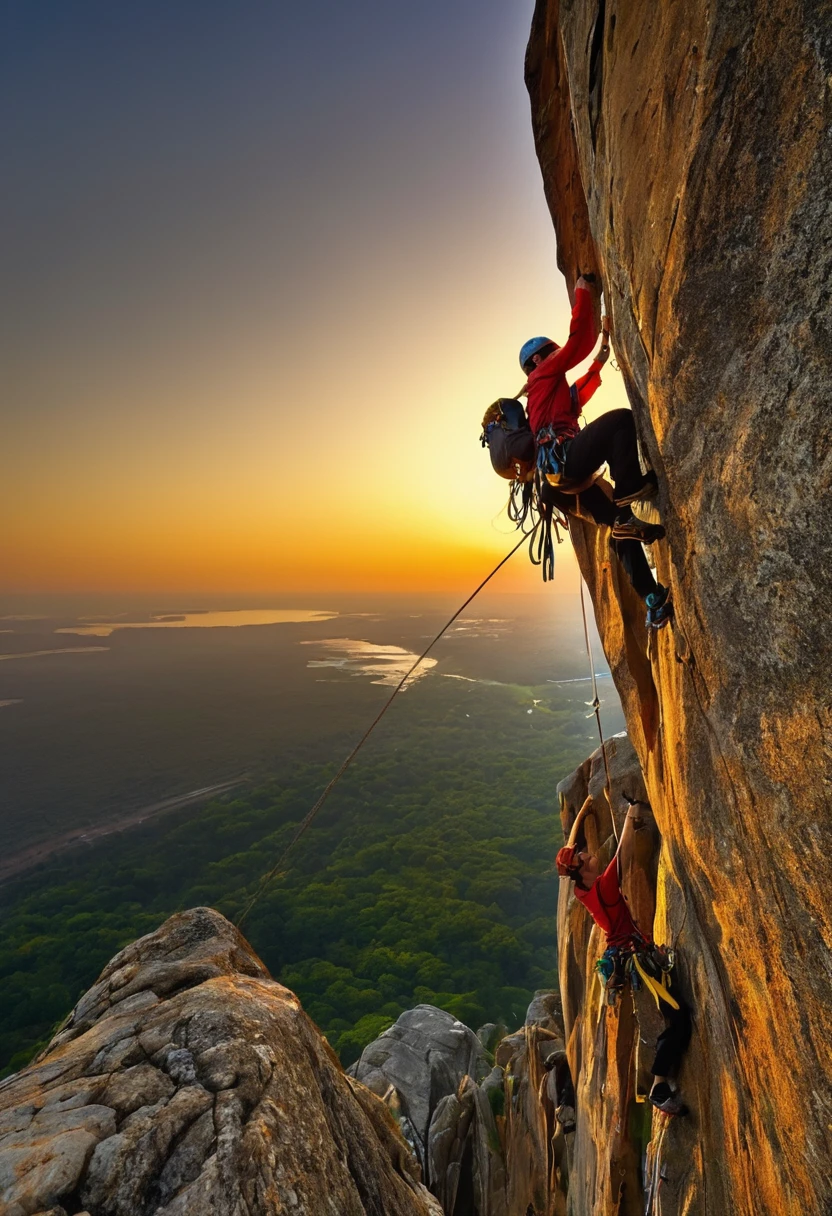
426,878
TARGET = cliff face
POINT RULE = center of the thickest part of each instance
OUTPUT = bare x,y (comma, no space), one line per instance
188,1081
686,158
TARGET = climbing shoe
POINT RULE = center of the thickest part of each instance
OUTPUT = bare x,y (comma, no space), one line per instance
659,608
665,1100
627,527
649,488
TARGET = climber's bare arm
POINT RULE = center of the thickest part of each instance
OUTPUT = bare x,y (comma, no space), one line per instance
585,810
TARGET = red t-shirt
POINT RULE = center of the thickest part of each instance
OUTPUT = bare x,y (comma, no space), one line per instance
607,907
548,397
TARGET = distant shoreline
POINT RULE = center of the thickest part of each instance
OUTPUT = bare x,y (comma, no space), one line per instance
11,867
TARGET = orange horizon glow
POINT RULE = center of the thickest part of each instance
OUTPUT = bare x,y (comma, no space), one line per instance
276,386
409,527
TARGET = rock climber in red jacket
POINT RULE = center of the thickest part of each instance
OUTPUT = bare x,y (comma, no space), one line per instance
553,410
601,894
554,407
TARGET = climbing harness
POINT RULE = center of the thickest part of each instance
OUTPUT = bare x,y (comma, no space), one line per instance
552,454
611,975
631,964
552,451
307,820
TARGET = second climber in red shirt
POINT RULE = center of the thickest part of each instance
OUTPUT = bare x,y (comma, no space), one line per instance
600,893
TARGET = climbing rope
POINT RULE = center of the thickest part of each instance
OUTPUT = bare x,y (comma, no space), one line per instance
655,1178
306,822
596,709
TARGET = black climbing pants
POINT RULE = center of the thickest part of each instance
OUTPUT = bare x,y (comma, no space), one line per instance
631,556
629,552
610,439
672,1042
595,502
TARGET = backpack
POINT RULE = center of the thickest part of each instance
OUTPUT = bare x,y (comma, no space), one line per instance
507,435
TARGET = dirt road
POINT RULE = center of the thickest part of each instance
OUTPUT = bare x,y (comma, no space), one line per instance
10,867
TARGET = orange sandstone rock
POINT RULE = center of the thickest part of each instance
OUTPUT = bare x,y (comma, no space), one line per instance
686,158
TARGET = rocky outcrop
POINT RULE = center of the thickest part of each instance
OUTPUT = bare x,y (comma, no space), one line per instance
686,159
493,1140
188,1081
424,1056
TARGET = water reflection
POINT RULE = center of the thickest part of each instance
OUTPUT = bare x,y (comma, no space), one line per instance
205,620
39,654
386,664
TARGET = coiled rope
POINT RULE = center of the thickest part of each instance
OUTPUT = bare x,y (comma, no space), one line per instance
306,822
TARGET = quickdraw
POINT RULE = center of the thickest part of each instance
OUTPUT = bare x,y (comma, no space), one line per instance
520,501
542,553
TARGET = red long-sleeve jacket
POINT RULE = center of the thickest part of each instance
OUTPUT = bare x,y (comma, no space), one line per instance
586,384
548,396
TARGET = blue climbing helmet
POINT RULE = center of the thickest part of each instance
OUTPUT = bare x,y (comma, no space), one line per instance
533,347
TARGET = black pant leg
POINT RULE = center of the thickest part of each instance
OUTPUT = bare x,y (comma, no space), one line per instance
610,439
673,1041
595,502
629,552
631,556
592,500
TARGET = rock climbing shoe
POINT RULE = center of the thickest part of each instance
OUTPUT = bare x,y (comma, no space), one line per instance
648,489
668,1102
627,527
659,608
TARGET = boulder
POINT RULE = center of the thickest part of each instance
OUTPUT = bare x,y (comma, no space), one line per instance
448,1148
545,1011
186,1080
424,1056
493,1145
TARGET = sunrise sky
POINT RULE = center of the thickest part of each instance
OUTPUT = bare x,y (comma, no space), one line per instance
263,268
